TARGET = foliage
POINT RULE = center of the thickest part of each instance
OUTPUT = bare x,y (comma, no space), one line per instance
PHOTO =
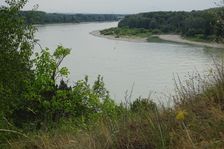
31,96
47,67
191,24
46,103
220,25
142,105
195,121
40,17
16,45
127,32
40,92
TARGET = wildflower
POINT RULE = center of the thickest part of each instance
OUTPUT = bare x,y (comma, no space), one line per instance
181,115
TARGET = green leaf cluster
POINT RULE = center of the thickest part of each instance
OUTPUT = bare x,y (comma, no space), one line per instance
34,91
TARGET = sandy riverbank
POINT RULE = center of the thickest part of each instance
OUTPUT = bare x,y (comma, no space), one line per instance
171,38
179,39
137,39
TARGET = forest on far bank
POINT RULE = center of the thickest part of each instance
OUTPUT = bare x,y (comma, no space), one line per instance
40,17
201,24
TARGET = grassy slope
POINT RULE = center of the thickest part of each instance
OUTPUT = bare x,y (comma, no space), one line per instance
195,121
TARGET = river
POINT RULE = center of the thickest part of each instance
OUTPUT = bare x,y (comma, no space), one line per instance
145,67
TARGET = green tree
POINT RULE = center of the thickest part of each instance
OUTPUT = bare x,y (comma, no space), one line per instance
16,44
31,96
37,105
219,30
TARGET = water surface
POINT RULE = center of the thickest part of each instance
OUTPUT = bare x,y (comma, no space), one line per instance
148,67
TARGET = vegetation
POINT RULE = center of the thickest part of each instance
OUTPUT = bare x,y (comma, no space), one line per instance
122,32
39,110
194,25
195,121
31,97
16,44
40,17
220,25
126,32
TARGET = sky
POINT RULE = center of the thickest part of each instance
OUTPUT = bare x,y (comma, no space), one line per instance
118,6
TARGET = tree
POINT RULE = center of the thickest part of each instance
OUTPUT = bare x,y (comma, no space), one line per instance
39,98
16,44
219,30
30,95
194,24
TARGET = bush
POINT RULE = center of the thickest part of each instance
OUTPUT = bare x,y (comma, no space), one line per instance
156,31
143,105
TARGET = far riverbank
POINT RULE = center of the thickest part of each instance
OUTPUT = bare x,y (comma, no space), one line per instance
129,39
168,37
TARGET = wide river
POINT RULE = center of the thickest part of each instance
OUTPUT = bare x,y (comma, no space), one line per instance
145,67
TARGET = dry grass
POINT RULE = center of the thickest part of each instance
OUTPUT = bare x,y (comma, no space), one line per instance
195,121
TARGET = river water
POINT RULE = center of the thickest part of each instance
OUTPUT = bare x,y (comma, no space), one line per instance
147,68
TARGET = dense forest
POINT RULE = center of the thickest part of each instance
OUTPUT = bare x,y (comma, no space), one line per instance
40,17
201,24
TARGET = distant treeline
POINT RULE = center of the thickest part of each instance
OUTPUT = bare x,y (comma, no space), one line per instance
40,17
194,23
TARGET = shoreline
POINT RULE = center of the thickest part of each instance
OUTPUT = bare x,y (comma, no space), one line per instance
169,37
128,39
179,39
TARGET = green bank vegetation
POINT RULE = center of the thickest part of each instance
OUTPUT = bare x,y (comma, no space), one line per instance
194,25
40,17
36,112
125,32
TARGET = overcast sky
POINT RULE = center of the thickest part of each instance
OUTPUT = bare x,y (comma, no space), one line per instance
118,6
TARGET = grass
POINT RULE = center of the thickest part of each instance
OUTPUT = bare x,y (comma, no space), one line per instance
127,32
196,120
150,35
201,38
123,32
155,39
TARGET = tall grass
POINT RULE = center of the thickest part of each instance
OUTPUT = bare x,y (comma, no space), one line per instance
195,121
